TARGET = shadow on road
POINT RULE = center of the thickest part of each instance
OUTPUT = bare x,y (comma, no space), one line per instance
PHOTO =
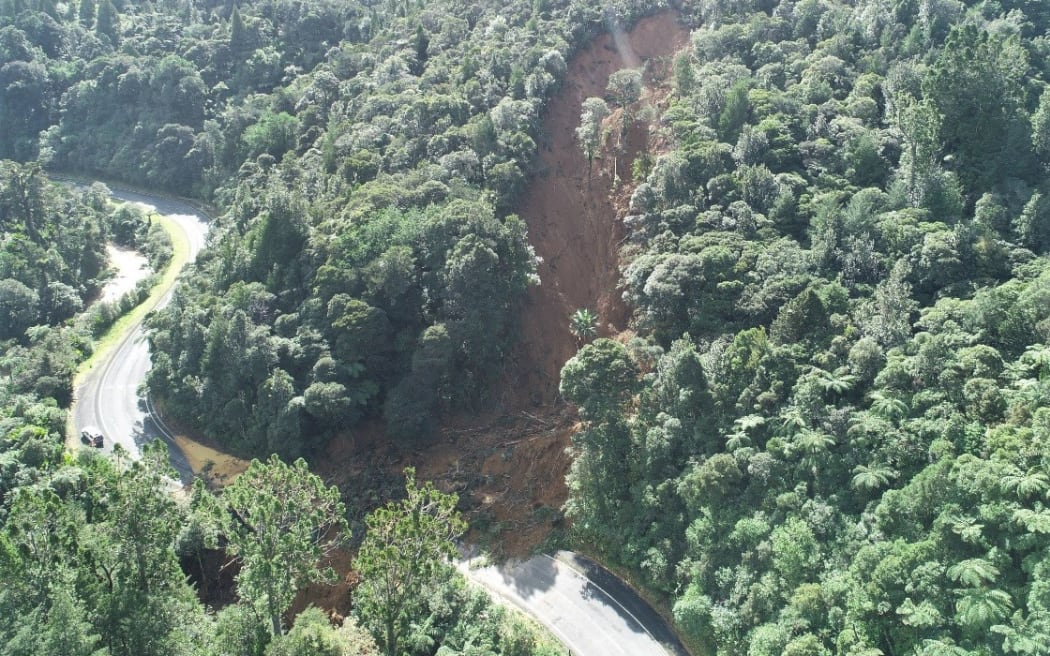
592,592
529,577
148,430
605,588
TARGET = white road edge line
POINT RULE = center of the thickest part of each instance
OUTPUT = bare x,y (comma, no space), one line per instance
161,426
520,604
105,374
611,598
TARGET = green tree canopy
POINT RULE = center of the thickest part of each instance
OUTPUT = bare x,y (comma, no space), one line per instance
407,547
281,520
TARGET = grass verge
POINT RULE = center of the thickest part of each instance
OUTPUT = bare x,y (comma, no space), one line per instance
120,329
123,326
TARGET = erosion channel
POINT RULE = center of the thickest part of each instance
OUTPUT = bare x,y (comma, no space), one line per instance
511,461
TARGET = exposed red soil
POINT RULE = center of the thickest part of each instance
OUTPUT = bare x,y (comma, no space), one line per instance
574,218
510,462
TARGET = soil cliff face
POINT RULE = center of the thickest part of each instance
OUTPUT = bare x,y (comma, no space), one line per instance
517,453
574,218
508,463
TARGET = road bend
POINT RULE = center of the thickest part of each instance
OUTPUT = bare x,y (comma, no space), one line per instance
588,609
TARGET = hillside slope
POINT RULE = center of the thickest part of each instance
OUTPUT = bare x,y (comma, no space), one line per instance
573,218
509,462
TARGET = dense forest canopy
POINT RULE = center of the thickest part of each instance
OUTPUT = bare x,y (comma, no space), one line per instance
826,433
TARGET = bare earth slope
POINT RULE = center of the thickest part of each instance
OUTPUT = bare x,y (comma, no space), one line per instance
509,464
573,222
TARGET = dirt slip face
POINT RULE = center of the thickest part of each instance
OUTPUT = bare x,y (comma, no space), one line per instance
511,464
508,463
573,218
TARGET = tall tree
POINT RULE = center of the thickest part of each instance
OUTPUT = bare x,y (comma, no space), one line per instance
281,521
145,601
684,75
976,87
419,46
107,24
238,32
589,133
625,87
86,12
600,379
1041,128
97,567
407,547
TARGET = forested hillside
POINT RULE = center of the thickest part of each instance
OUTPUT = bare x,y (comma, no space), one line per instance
368,264
101,555
830,434
825,430
367,158
52,265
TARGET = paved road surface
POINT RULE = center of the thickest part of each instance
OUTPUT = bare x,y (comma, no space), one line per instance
109,396
584,606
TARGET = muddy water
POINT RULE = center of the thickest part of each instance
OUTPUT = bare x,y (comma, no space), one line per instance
131,267
216,467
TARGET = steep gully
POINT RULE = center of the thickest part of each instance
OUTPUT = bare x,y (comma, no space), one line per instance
520,450
508,462
573,216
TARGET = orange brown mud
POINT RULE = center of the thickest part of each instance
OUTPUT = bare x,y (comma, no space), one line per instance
508,463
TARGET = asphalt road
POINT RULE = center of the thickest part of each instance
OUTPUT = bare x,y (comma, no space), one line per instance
110,397
591,611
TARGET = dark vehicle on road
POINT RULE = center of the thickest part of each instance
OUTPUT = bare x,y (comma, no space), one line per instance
92,437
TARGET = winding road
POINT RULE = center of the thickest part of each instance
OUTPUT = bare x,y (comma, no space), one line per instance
591,611
588,609
110,397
